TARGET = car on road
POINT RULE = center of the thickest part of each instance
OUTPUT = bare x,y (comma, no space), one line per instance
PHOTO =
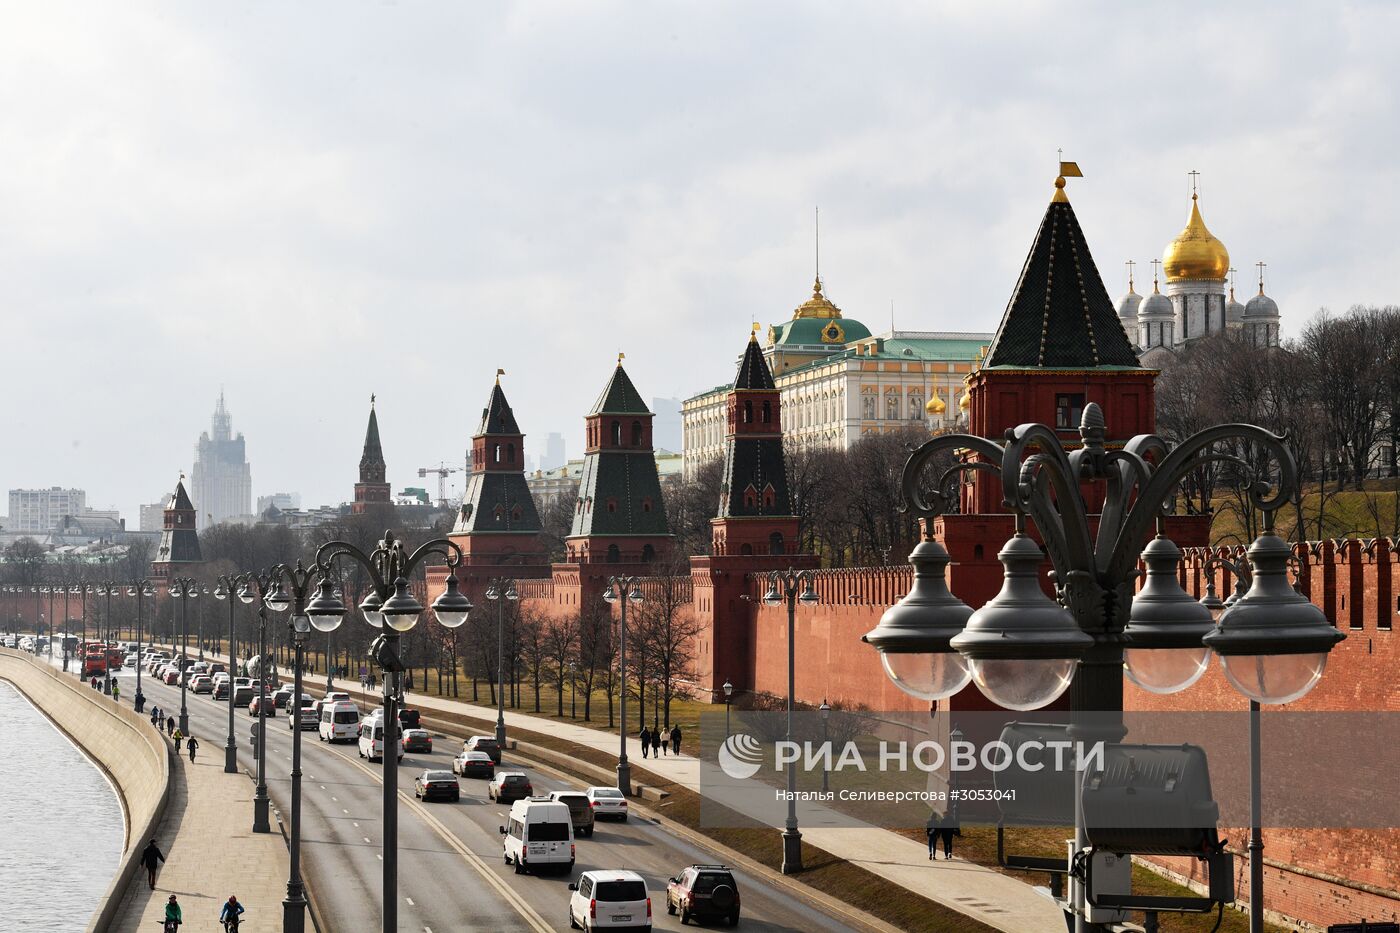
704,892
335,696
417,740
410,718
484,743
608,803
474,764
432,784
201,683
539,834
307,719
506,786
170,675
580,809
269,710
604,899
222,688
242,692
280,698
339,722
217,667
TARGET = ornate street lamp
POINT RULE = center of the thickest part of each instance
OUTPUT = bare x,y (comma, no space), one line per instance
825,710
184,589
262,587
107,590
140,589
728,694
234,588
1024,650
390,606
785,586
623,589
500,590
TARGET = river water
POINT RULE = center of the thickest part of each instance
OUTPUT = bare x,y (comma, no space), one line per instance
62,824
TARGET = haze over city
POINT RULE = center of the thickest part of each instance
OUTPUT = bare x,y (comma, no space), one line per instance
303,206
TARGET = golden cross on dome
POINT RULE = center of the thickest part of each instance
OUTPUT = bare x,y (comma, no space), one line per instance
1194,175
1155,264
1262,265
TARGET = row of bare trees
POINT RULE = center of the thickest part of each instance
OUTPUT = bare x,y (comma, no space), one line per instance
1335,391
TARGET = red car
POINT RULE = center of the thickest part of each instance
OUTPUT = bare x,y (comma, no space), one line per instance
266,699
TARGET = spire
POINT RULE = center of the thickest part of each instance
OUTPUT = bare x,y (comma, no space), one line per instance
497,417
1156,265
1060,315
619,396
753,368
180,499
372,467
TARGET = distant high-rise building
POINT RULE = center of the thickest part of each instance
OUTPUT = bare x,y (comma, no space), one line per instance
222,481
38,511
281,501
153,517
666,424
552,454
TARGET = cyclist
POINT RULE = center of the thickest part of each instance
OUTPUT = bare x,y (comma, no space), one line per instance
173,917
231,912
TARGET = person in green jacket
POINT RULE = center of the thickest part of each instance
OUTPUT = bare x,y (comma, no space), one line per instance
172,911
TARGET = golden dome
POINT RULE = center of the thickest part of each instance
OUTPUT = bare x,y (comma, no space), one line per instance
1195,253
817,306
935,405
966,400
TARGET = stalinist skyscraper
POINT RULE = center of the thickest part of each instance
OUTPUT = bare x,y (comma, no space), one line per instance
222,483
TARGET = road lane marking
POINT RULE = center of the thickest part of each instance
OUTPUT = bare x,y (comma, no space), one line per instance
366,838
347,813
410,902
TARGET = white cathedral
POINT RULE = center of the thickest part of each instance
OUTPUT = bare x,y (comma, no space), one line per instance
1195,304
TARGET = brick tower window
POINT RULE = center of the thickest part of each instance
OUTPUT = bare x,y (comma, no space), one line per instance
775,543
636,434
617,433
646,504
748,412
612,505
767,412
1068,410
614,555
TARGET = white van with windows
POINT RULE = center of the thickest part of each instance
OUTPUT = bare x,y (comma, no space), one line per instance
372,739
540,834
340,722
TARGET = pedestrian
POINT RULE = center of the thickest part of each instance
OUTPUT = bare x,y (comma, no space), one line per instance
646,740
155,715
946,830
931,830
178,737
193,743
676,739
656,743
140,702
94,681
169,725
116,693
151,857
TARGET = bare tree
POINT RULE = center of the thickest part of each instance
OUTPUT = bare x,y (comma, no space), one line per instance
560,641
25,560
667,630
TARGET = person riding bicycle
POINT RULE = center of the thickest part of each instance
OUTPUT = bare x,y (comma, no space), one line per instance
172,912
232,910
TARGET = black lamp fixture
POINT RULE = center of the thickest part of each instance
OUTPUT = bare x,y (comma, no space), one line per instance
1165,626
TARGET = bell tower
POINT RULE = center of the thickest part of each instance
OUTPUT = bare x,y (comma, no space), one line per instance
372,491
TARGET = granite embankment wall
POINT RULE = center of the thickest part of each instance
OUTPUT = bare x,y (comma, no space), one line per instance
124,744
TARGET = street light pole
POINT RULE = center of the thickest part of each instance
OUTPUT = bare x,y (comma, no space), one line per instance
728,693
184,589
625,589
783,586
234,588
140,589
391,606
825,710
107,589
500,590
263,583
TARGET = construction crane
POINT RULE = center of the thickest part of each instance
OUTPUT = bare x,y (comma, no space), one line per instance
442,469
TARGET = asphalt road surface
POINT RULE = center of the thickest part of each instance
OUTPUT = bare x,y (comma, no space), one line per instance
451,872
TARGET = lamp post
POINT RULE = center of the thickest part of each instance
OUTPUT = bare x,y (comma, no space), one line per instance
500,590
84,589
785,586
728,694
232,587
624,589
260,587
391,606
106,590
1023,650
298,579
184,589
68,590
825,710
573,690
140,589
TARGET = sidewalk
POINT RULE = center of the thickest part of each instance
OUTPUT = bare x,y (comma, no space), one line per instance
995,899
210,848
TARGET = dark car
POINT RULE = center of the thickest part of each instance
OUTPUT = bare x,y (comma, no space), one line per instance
704,892
221,690
417,740
474,764
484,743
280,698
509,786
432,784
580,809
410,718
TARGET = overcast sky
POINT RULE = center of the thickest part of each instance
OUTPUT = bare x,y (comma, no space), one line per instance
306,203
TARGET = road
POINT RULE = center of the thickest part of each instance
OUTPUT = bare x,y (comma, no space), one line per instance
451,873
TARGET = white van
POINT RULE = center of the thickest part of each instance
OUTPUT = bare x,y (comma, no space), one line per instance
372,739
603,899
540,834
340,722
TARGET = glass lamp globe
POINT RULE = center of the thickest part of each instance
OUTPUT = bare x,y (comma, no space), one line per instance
325,610
371,606
1166,670
927,675
1274,678
609,594
401,611
451,607
1023,684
